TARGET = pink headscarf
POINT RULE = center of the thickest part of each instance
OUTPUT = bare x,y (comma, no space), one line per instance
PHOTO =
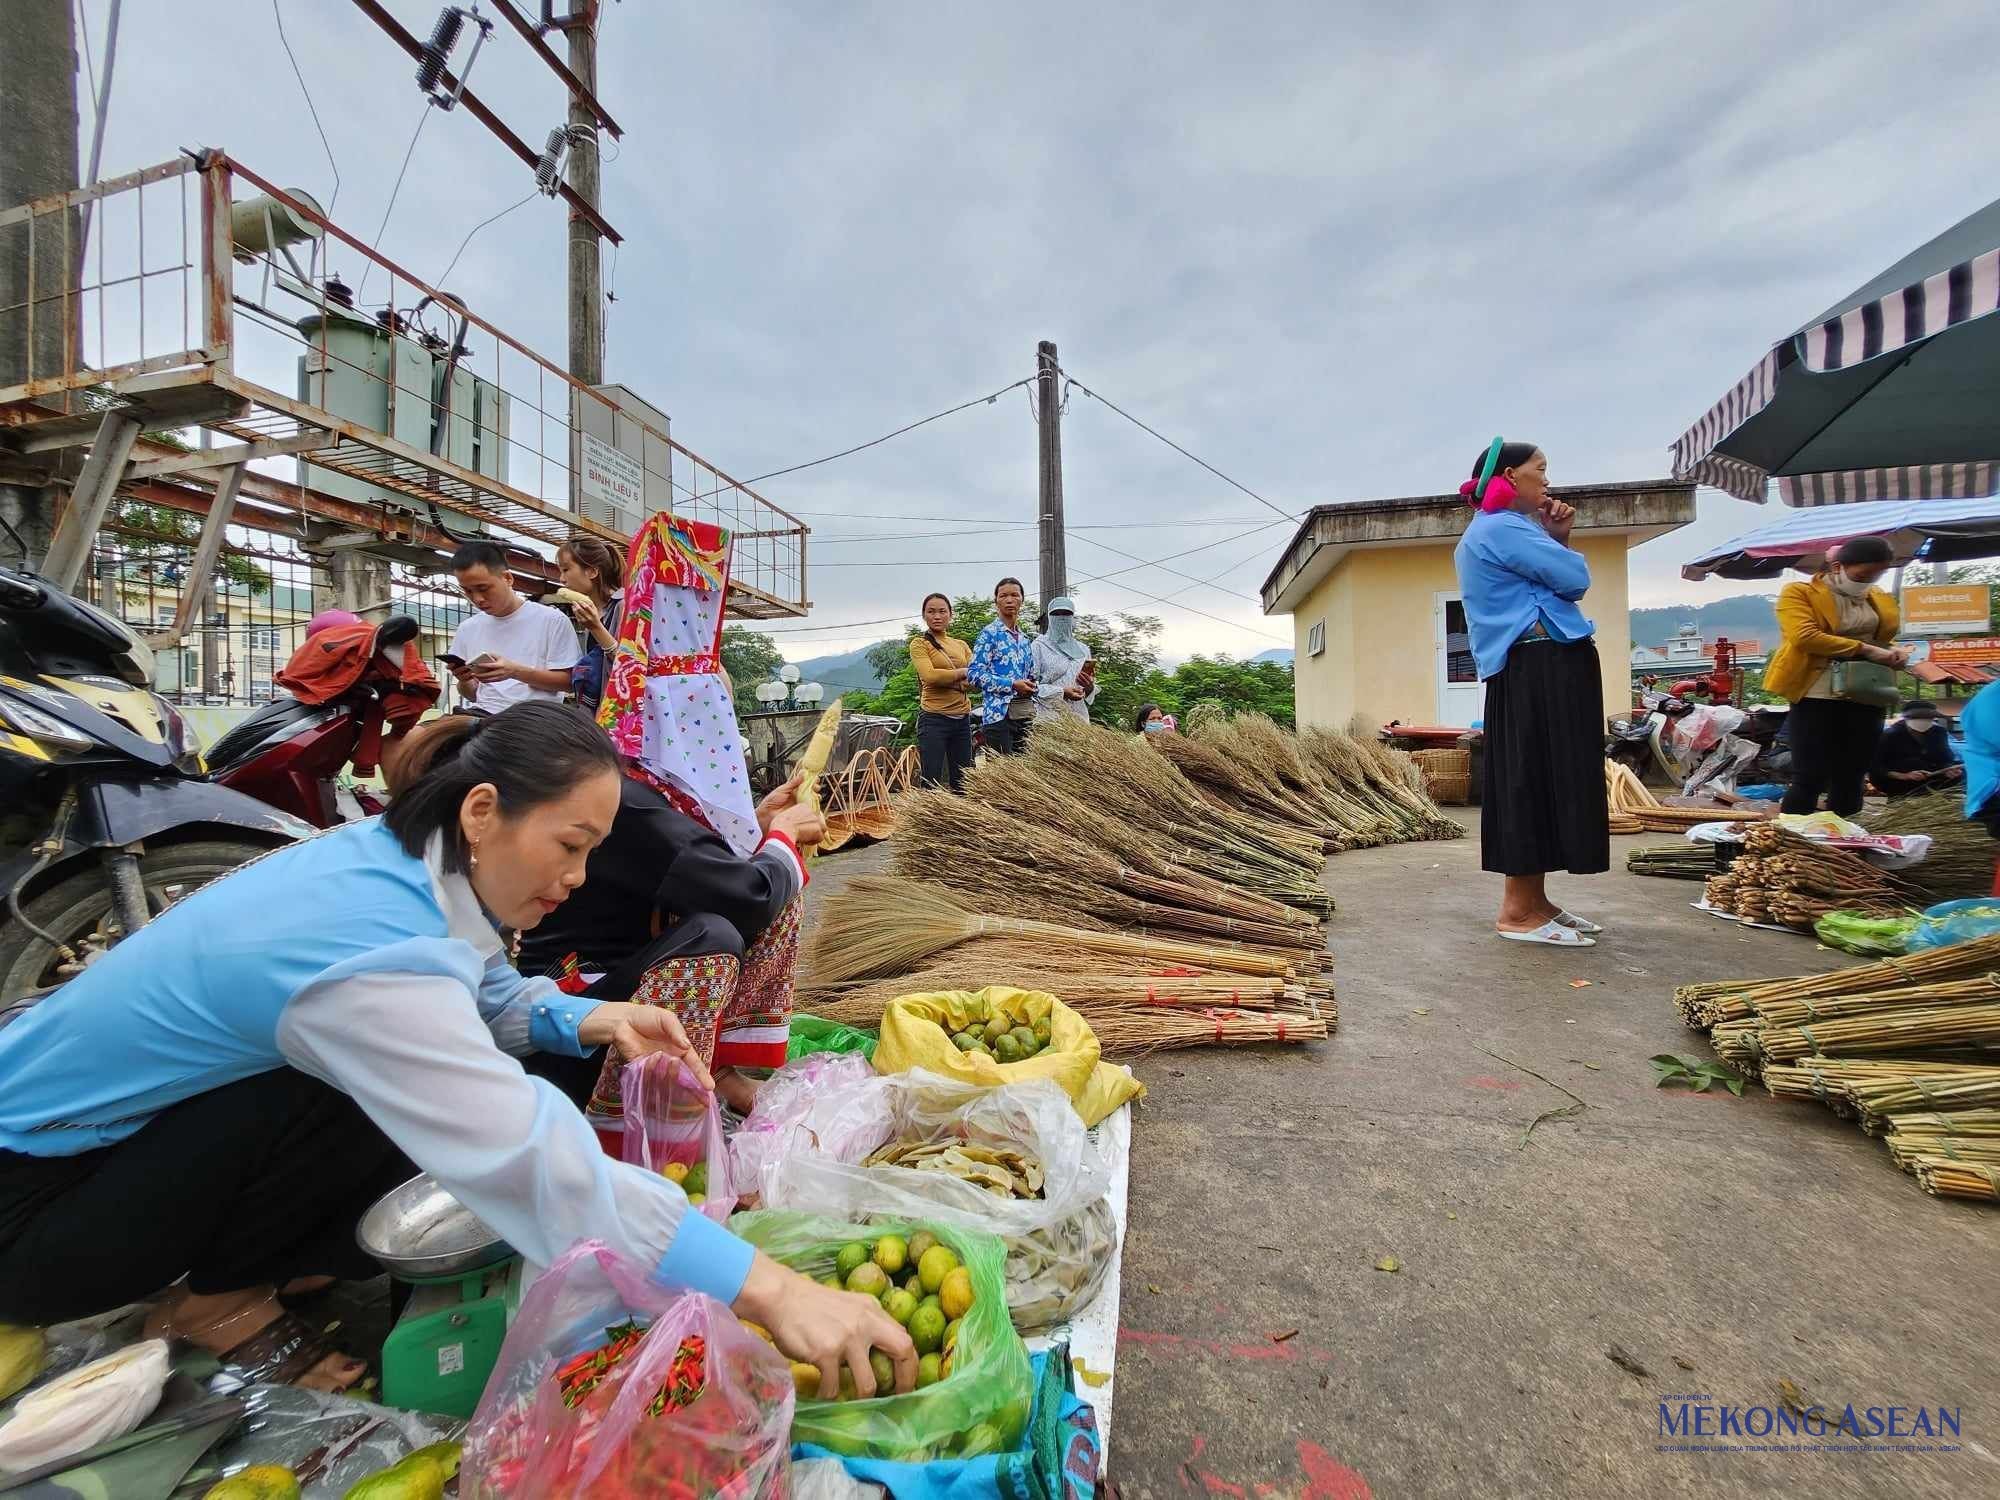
1500,494
326,619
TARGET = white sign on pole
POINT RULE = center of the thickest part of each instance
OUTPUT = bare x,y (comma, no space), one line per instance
613,479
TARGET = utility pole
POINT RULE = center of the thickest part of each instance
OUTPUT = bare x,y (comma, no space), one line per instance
38,152
586,260
1048,398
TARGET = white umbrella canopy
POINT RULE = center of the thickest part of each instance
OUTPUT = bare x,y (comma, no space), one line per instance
1918,530
1891,394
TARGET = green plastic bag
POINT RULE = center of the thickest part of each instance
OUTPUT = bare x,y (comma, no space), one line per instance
1875,937
810,1034
981,1407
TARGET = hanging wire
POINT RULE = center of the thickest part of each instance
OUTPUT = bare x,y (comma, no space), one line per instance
496,218
910,427
394,192
311,109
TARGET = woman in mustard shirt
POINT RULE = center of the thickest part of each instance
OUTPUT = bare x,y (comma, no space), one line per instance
944,716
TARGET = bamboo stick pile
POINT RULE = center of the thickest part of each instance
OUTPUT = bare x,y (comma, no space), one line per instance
1790,881
1682,861
1960,862
1908,1047
1634,808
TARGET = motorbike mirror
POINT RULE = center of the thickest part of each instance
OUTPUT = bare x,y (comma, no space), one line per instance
397,630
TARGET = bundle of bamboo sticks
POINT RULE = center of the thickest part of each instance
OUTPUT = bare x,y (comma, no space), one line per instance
1793,881
1959,863
1634,808
1681,861
1702,1005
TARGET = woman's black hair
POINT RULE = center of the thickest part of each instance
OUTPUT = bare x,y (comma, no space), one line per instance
532,754
929,634
1512,456
1146,711
1865,552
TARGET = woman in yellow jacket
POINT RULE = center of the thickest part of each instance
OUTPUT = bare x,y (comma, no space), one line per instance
1835,725
944,714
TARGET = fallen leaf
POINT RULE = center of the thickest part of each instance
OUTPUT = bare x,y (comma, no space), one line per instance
1289,1333
1685,1364
1579,984
1091,1378
1592,1066
1793,1398
1153,1287
1627,1363
1449,1214
1422,1010
1388,1263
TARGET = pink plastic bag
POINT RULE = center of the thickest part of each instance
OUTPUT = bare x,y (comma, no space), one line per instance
609,1386
671,1121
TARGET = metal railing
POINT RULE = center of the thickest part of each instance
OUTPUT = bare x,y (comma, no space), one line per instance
189,305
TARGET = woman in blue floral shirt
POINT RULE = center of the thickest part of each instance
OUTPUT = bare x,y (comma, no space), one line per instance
1002,671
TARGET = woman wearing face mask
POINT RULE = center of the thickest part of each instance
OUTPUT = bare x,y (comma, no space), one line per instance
944,716
1836,664
1151,720
206,1111
1065,674
1543,808
1915,754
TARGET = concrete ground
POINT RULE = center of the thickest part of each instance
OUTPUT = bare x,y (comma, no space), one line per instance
1721,1245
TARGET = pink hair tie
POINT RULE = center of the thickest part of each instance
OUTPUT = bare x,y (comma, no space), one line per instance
1500,494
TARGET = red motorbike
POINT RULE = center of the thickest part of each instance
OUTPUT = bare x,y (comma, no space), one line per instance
347,685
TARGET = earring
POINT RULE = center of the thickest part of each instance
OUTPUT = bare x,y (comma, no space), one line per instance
475,854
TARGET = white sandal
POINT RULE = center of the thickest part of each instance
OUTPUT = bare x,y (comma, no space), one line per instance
1552,933
1575,923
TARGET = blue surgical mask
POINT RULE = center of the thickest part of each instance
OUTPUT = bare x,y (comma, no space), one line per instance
1156,726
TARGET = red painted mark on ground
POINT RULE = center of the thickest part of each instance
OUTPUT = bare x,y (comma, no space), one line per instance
1172,1345
1484,1082
1323,1477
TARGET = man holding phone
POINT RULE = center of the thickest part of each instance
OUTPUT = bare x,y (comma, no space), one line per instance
512,650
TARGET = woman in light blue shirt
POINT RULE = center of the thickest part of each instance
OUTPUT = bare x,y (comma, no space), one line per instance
1542,806
208,1109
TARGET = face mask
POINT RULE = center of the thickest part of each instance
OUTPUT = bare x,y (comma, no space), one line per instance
1848,587
1157,726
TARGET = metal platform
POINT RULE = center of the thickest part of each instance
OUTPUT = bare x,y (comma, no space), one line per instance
169,322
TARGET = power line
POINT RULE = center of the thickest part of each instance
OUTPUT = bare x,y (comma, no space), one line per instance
311,108
912,427
934,562
920,536
376,243
532,193
1237,483
1120,551
1190,609
1176,556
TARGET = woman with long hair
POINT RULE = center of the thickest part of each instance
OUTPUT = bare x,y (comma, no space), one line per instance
207,1110
1543,806
592,572
943,664
1150,720
1003,671
1836,664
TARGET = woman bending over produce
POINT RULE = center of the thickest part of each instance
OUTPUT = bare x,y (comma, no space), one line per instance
208,1109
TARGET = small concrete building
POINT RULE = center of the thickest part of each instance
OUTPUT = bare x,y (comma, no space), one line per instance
1378,627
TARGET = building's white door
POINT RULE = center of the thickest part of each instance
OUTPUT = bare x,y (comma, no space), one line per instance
1461,695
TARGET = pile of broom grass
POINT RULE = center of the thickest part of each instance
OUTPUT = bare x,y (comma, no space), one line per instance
1169,890
1909,1047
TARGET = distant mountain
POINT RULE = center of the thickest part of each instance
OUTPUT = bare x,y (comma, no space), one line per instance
1279,654
847,672
1744,616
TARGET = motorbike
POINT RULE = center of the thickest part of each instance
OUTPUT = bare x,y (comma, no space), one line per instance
107,812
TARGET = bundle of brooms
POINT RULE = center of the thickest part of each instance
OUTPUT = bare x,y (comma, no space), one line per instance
1960,862
1010,866
1782,878
1382,782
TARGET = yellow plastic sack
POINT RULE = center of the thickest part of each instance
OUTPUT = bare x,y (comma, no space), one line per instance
916,1033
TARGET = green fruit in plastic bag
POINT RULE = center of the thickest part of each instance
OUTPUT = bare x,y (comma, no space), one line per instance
892,1253
927,1329
1042,1031
1007,1050
885,1372
260,1482
920,1242
868,1278
927,1371
1024,1038
996,1028
900,1305
22,1354
421,1476
696,1180
938,1263
965,1041
834,1282
850,1256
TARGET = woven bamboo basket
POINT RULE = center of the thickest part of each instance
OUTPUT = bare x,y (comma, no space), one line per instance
1447,775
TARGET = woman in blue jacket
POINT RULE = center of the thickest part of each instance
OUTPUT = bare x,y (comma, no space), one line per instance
208,1109
1542,807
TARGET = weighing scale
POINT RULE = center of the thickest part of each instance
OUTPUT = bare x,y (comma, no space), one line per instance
465,1287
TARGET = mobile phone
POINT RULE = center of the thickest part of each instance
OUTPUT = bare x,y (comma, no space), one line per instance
456,663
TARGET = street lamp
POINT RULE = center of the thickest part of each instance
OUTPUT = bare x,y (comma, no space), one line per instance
808,694
771,693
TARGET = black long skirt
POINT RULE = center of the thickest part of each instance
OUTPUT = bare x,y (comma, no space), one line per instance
1543,806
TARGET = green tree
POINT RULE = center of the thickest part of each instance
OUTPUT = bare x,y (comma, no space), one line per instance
749,658
161,534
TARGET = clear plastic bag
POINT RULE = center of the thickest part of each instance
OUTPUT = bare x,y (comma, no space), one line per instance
673,1127
832,1104
584,1402
1059,1245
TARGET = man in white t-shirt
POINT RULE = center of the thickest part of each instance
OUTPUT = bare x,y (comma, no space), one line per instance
514,650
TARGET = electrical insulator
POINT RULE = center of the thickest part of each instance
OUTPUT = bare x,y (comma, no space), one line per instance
444,36
548,171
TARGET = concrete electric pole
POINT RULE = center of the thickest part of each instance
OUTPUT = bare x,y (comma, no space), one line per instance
1048,400
586,259
38,156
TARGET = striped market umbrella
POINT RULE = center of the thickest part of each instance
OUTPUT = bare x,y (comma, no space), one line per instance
1918,530
1891,394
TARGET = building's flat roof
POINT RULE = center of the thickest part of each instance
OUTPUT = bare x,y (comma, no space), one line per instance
1641,509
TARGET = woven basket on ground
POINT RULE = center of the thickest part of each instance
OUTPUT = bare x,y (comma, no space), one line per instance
1447,775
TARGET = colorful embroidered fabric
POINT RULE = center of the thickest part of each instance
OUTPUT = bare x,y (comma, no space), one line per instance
757,1024
666,702
697,990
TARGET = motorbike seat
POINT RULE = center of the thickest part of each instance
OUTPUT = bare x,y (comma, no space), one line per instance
246,738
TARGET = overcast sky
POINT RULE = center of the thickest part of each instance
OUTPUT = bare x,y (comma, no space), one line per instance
1330,249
